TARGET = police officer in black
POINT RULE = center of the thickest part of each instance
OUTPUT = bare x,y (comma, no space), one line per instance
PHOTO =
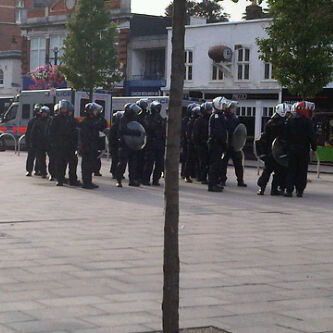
63,138
40,139
32,153
155,148
89,135
126,154
191,164
143,120
274,128
200,138
101,124
51,154
236,156
114,142
300,136
217,143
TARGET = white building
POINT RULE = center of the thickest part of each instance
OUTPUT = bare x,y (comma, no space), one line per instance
243,77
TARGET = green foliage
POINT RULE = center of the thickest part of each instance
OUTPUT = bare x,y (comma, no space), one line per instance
90,52
205,8
300,44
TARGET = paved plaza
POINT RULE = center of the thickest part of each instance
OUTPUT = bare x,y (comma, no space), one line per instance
80,261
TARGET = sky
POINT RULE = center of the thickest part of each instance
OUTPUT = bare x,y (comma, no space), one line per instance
156,7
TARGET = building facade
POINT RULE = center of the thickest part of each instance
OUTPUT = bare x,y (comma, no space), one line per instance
10,50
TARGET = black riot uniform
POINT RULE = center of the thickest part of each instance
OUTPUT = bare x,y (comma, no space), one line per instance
40,140
300,136
101,124
114,142
143,120
183,138
126,154
236,156
274,128
200,138
155,148
89,136
63,138
217,143
32,152
191,163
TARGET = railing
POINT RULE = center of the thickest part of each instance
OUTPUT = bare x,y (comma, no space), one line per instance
19,144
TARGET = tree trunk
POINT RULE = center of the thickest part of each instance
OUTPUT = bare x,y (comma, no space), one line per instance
91,92
170,305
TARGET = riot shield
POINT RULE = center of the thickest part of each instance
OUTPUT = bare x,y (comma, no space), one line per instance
136,142
238,139
279,152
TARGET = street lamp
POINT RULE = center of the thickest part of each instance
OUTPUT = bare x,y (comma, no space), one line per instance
55,51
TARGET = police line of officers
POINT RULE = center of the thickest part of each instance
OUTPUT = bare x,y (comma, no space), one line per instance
207,131
61,137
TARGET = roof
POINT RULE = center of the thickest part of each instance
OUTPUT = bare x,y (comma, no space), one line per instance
146,25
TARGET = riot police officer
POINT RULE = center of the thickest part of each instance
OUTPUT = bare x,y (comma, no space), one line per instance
114,142
191,164
200,138
143,120
63,138
236,156
101,124
300,136
274,128
40,139
155,148
217,143
127,155
89,136
32,153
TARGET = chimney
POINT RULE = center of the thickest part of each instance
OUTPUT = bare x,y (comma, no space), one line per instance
254,12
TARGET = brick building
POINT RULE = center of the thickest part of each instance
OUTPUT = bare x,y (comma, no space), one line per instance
10,50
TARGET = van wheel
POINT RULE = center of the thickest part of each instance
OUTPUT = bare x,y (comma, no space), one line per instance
2,144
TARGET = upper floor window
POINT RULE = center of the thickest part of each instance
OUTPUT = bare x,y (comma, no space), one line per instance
267,111
56,50
268,75
188,75
217,73
37,52
243,64
1,77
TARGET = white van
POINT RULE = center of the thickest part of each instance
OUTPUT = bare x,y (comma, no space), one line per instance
16,118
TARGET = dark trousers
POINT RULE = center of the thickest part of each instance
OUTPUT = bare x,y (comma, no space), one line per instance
98,165
88,166
203,157
154,159
215,155
183,158
62,158
298,161
52,167
191,164
141,161
32,153
237,160
279,176
41,161
114,152
126,156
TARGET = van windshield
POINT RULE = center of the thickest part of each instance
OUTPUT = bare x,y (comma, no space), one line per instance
11,113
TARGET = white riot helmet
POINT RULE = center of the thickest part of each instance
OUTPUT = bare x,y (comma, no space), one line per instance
282,109
219,103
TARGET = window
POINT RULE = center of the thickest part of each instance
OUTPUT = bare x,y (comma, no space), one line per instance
1,77
26,111
267,111
243,64
11,113
188,65
268,72
56,48
37,52
246,111
217,73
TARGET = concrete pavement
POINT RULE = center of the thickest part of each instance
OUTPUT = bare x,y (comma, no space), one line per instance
79,261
